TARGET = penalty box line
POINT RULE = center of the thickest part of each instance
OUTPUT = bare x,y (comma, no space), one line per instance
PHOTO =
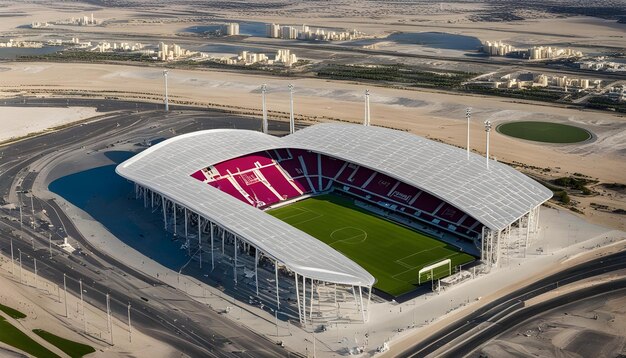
400,261
417,267
302,212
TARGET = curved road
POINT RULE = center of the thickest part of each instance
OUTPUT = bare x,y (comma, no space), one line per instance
510,304
158,310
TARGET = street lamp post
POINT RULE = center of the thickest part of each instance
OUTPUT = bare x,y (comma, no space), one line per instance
487,131
292,125
468,115
167,107
263,91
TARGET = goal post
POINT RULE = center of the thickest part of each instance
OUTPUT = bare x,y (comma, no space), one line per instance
431,268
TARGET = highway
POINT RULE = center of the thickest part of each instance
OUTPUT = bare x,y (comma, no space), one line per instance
508,310
189,326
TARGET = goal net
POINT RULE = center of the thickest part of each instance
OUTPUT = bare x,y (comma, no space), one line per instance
437,270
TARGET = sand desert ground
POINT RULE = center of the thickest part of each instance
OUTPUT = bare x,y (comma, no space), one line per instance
436,115
432,113
39,300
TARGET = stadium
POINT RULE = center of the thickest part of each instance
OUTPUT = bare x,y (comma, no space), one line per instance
334,208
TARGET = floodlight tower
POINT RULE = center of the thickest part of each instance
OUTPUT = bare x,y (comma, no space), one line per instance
468,115
167,106
292,124
366,121
487,131
263,91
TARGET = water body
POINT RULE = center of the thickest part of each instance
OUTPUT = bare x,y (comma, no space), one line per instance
10,53
233,49
110,200
438,40
248,28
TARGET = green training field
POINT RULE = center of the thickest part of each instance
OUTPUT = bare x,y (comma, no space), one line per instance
390,252
544,132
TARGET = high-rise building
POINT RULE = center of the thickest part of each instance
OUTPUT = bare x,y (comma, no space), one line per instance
231,29
272,30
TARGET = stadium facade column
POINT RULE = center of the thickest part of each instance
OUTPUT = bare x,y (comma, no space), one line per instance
223,237
527,228
311,308
163,203
212,260
276,274
297,297
256,270
235,266
304,298
362,306
174,215
199,239
186,229
152,199
136,191
369,300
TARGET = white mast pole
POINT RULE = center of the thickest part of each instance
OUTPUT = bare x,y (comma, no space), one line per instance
487,130
292,124
366,121
468,115
167,106
263,91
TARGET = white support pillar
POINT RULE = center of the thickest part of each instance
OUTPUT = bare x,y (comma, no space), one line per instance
538,210
311,310
256,270
174,215
164,204
369,300
186,229
276,277
223,237
304,299
200,239
152,199
362,306
297,297
527,229
212,260
235,265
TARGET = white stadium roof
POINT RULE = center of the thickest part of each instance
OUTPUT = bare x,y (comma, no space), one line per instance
496,196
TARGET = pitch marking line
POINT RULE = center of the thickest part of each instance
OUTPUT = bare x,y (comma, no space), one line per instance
401,260
417,267
293,215
363,234
306,211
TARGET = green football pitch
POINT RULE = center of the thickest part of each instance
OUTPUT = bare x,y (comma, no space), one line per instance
544,132
392,253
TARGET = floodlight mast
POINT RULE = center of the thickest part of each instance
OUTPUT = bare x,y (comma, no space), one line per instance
292,124
263,91
166,100
366,120
468,115
487,131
